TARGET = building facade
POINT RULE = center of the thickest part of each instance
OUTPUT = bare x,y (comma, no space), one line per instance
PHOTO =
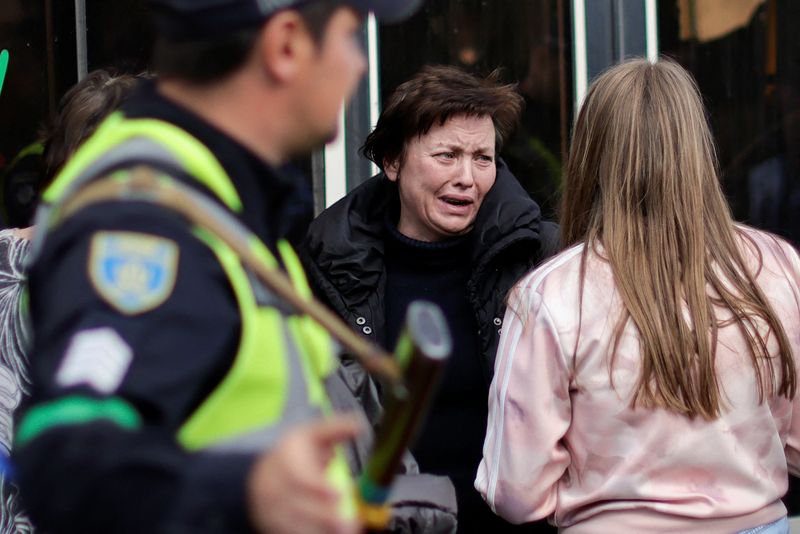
741,52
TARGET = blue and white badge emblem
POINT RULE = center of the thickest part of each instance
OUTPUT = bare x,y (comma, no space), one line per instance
133,272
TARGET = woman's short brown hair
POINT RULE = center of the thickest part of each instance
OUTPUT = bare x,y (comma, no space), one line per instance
434,95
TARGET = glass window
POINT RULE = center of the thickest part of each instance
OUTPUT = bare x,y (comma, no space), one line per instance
746,59
131,51
109,45
530,40
40,40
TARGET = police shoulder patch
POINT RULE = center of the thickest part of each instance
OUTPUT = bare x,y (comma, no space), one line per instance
131,271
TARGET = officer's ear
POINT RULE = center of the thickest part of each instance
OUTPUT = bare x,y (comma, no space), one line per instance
284,46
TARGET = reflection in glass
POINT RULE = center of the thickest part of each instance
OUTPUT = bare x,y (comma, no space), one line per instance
746,58
747,63
109,46
39,37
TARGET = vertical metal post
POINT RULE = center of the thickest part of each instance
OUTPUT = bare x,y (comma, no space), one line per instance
336,166
342,164
318,180
80,39
579,51
651,29
374,76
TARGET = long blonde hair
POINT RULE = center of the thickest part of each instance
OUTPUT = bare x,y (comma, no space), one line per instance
642,180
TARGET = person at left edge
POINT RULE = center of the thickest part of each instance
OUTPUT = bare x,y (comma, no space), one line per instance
171,392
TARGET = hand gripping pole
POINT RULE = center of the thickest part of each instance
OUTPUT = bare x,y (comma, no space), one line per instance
422,351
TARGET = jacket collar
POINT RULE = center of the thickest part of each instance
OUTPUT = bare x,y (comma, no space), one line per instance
346,241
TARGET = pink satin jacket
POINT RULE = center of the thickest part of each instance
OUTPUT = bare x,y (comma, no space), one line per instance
563,442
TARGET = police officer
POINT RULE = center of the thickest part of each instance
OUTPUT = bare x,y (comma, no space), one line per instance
172,391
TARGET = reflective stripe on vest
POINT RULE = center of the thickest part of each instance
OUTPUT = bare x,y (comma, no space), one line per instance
166,143
260,366
276,379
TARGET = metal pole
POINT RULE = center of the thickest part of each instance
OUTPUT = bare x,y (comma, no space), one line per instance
374,76
336,165
80,39
651,18
579,51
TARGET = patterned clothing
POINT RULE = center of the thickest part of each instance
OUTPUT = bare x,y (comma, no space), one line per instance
14,379
562,441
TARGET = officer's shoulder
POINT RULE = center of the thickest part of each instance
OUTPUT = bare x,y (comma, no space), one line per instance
114,216
111,227
128,254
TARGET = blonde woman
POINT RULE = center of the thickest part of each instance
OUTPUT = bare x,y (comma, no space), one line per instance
646,376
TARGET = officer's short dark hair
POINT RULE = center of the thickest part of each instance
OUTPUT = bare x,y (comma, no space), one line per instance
204,61
433,96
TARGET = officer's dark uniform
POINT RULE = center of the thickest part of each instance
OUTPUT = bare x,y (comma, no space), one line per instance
100,476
